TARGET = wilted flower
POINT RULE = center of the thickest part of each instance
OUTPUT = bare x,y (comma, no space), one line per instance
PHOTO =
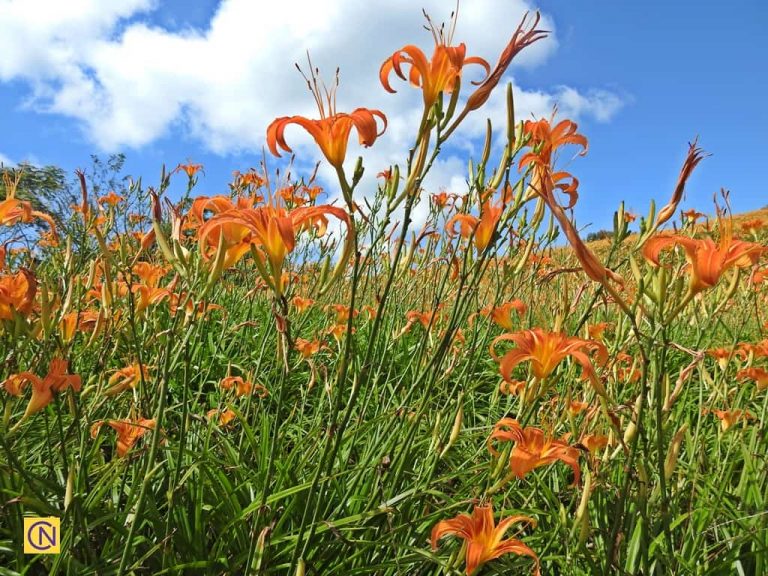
694,156
544,140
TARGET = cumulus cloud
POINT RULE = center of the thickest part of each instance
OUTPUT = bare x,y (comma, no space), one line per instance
130,82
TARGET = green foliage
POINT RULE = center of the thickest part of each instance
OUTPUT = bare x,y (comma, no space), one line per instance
599,235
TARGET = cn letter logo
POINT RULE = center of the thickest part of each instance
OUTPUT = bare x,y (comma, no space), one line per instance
42,535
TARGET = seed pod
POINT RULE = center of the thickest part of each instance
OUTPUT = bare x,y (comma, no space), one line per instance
674,451
69,491
456,429
582,513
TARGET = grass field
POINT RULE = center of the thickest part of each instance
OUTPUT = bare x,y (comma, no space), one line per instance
267,382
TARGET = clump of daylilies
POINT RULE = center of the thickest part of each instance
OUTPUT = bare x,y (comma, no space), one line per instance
574,353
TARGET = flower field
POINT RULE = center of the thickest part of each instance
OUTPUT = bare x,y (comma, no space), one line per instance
289,378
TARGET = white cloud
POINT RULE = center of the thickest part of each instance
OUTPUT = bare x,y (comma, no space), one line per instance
129,82
5,161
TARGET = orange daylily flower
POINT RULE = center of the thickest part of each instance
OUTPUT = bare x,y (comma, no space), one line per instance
483,539
14,384
544,140
14,211
331,131
308,348
442,73
242,387
692,215
292,195
467,224
223,417
729,417
597,331
189,169
426,319
212,205
271,230
576,407
707,260
128,432
342,312
502,315
338,330
753,226
481,229
533,448
627,368
312,192
301,304
57,379
17,293
546,350
490,213
723,355
441,199
150,274
85,321
759,375
149,296
128,377
113,199
594,442
251,180
759,350
370,311
512,387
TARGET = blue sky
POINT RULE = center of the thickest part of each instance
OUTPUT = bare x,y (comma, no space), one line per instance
167,81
